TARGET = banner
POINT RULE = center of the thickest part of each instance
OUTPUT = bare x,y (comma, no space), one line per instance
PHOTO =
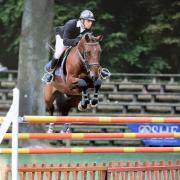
157,128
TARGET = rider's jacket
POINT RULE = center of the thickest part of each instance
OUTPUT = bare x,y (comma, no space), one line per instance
70,32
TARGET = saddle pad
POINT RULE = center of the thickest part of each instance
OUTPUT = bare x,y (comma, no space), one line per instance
60,69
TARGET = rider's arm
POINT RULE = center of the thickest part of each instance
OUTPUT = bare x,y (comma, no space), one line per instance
69,27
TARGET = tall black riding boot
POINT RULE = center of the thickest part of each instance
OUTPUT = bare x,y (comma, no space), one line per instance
48,76
54,64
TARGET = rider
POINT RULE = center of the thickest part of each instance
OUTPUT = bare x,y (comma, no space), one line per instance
69,35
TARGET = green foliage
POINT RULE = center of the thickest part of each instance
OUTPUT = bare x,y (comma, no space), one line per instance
157,28
133,54
10,20
10,11
171,41
176,16
157,65
139,36
114,40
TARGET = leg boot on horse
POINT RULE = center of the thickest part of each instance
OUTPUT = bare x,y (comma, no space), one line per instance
94,100
84,103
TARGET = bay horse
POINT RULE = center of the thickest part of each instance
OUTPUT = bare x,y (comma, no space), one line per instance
82,71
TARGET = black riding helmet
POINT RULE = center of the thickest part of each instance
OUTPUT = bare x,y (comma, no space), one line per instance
87,15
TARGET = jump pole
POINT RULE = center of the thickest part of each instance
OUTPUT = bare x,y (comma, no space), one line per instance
92,150
98,120
91,135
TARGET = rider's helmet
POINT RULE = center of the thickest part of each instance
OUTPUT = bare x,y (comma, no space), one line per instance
87,15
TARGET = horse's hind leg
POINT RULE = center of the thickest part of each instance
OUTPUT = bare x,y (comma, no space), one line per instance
51,125
49,98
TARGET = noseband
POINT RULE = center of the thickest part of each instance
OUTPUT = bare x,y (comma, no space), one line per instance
84,59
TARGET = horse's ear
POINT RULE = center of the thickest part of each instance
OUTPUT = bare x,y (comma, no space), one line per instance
99,38
87,38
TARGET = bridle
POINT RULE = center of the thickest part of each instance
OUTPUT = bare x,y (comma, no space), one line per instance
84,59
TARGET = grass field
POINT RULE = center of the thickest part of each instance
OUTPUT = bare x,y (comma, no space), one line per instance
88,158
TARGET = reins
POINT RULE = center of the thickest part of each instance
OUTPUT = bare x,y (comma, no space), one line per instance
84,58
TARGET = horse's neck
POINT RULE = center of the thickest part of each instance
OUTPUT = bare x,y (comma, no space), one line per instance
74,60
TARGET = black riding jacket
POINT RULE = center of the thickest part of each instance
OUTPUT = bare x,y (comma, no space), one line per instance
70,32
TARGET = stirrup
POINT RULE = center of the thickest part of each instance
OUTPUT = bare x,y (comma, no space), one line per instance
46,76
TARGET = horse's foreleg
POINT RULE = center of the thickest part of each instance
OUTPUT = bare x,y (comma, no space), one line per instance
97,85
83,104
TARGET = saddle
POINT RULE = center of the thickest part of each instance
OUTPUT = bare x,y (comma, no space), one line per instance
63,57
62,64
60,69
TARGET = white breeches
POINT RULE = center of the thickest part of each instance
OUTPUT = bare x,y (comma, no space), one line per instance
59,47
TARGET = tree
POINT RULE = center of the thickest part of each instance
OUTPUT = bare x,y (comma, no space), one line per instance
10,25
33,54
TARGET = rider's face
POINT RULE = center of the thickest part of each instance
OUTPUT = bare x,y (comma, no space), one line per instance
87,24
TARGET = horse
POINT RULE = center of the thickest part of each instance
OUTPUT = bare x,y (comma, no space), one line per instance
82,71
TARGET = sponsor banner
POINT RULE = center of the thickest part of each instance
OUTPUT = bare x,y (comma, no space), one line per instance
157,128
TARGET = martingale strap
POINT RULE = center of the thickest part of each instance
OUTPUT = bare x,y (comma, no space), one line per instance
85,62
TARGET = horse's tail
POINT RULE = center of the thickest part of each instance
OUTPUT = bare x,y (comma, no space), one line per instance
63,107
64,103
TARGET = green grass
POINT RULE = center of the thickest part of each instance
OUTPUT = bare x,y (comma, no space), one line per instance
89,158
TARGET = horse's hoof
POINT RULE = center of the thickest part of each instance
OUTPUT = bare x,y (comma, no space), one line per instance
80,108
66,128
93,105
89,106
49,131
50,128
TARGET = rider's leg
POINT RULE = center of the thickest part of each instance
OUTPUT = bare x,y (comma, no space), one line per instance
54,63
59,48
